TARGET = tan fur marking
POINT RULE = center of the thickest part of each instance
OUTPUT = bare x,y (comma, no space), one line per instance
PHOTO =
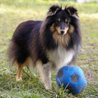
18,77
66,20
62,40
58,30
59,20
71,29
53,13
56,10
69,11
20,67
52,28
66,29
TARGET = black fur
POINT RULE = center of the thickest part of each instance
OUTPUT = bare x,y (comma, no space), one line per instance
34,38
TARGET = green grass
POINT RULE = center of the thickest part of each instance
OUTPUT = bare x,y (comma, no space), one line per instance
12,13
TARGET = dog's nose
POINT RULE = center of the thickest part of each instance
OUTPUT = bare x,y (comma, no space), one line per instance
62,32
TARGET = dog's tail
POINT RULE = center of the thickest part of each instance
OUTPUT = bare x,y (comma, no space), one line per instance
12,53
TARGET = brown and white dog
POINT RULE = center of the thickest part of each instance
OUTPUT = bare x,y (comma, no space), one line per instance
53,42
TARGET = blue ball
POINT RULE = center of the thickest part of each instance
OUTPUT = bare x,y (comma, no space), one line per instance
72,78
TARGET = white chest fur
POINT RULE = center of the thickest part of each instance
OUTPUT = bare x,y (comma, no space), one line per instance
60,57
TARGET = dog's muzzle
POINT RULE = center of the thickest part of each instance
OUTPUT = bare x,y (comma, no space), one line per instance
63,32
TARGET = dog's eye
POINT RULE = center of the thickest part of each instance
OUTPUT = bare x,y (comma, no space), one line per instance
56,23
66,21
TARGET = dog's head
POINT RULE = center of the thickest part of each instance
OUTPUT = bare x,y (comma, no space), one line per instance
61,20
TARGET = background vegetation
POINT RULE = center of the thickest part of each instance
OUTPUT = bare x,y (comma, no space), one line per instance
13,12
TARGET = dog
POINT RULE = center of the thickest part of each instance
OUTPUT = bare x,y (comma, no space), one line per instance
52,43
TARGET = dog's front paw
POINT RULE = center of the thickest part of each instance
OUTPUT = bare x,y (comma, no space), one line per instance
48,87
19,79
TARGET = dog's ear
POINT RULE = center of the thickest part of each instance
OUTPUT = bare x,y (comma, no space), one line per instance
53,10
72,12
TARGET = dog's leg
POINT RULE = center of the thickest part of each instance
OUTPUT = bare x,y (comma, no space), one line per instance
18,77
45,73
47,70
